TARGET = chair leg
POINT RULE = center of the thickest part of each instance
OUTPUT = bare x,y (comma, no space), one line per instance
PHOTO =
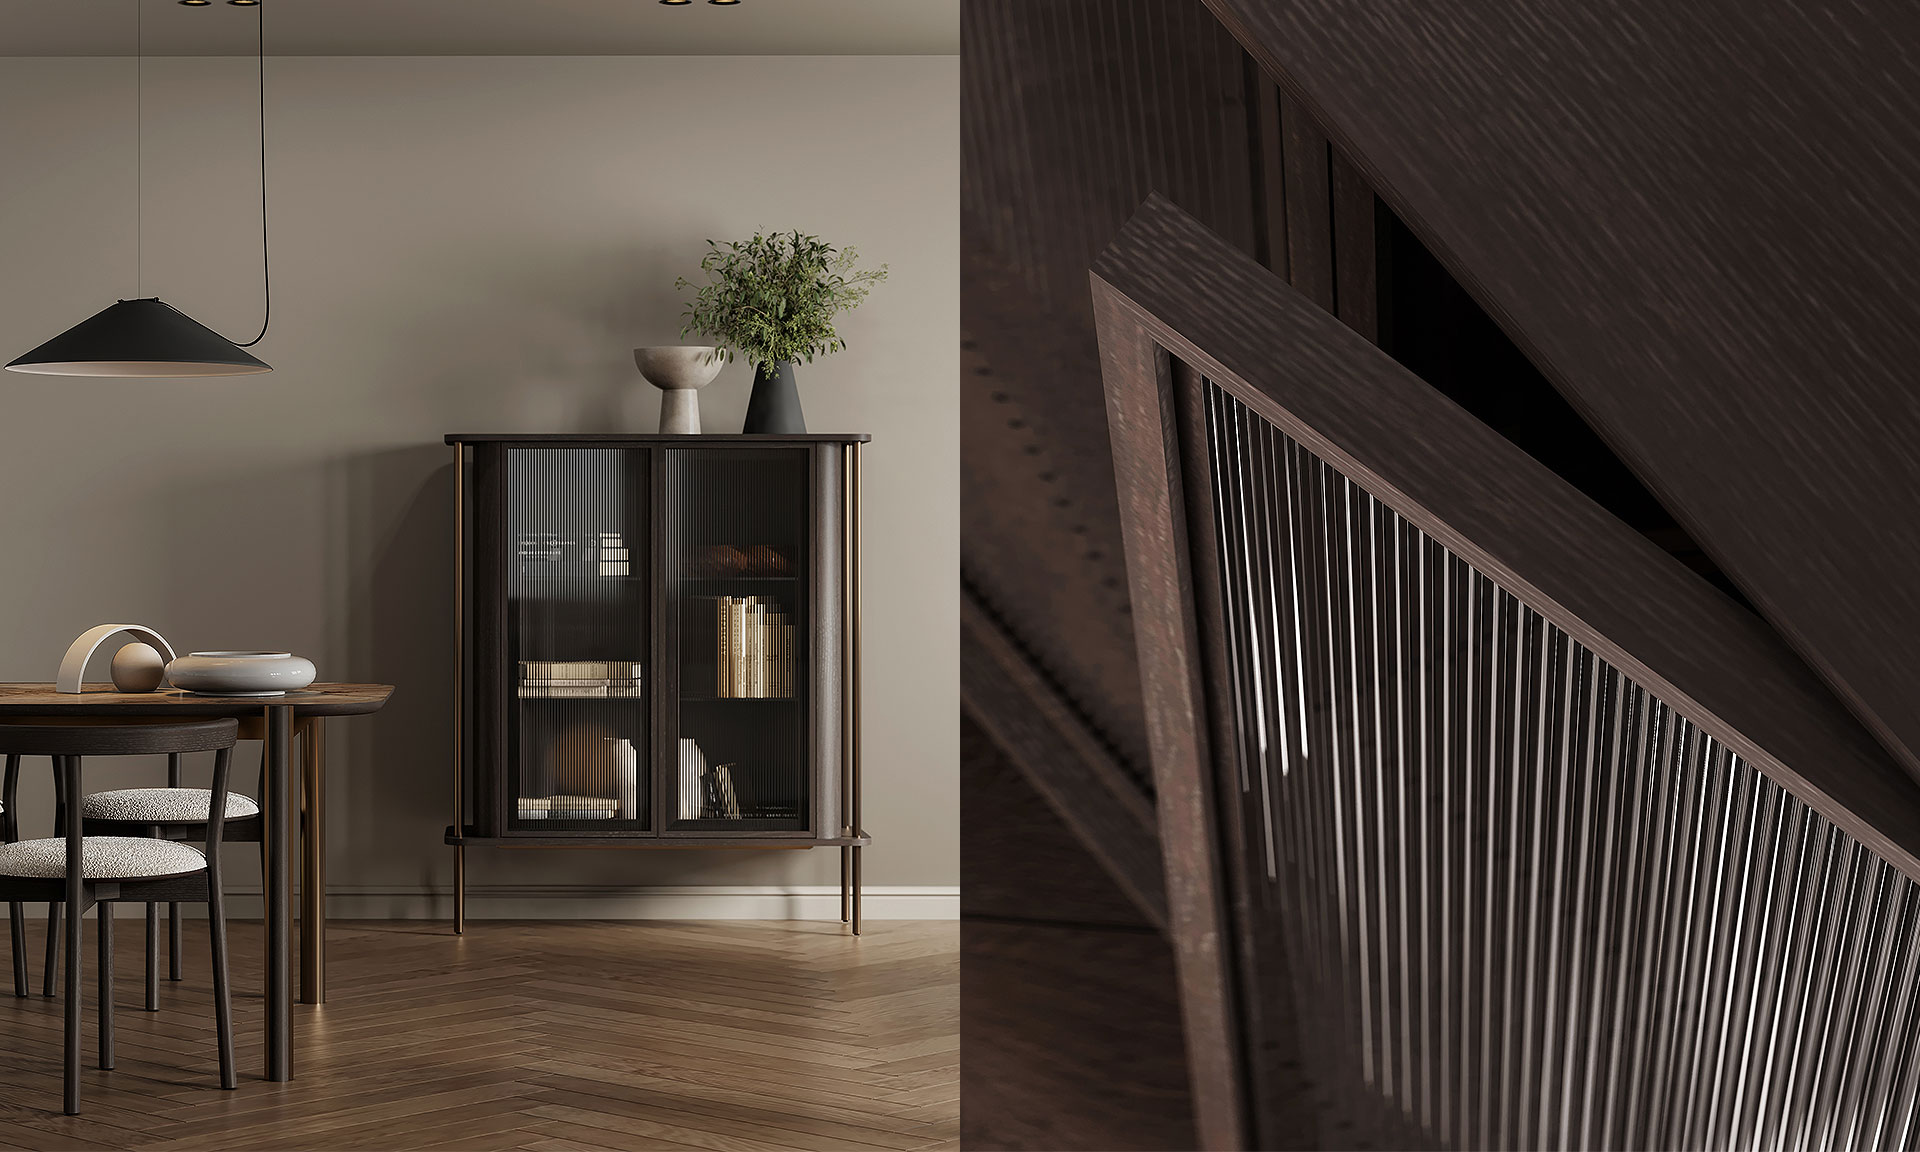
53,948
222,993
73,1011
103,934
17,925
173,942
153,957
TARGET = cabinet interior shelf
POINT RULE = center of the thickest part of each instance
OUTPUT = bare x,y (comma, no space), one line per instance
685,699
670,840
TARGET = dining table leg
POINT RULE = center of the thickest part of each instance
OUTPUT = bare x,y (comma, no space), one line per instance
313,862
279,752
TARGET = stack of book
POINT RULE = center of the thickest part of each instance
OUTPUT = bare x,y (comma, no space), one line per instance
755,655
579,679
568,807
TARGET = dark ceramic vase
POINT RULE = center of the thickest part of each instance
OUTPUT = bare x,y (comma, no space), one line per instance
774,407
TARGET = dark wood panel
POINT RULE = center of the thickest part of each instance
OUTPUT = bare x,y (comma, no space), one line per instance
486,568
1080,775
1698,220
1072,111
1018,860
1167,284
1356,248
1146,454
1075,109
1072,1040
1039,528
1309,205
1270,217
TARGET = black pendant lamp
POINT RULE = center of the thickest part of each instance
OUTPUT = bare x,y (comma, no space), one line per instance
149,338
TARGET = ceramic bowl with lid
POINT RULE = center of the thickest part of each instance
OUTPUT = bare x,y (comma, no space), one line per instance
240,673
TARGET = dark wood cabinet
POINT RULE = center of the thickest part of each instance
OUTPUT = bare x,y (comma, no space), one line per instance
659,640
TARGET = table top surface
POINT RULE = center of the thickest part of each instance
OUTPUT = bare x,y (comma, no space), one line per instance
102,700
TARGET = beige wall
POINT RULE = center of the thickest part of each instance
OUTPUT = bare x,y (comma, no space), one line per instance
460,244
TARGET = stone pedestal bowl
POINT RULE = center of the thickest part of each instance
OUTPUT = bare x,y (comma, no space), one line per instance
679,371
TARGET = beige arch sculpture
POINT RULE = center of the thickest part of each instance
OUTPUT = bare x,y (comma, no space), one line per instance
73,668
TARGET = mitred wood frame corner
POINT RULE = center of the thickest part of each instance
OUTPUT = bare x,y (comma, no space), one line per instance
1173,305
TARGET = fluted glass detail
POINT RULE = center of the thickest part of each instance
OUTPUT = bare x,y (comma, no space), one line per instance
1501,892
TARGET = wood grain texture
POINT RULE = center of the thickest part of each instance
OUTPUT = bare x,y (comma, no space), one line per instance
1078,773
1169,285
1071,112
652,1035
1019,861
1146,456
39,700
1698,220
107,739
1100,1068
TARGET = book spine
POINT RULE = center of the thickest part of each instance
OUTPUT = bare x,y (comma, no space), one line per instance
740,674
759,650
722,650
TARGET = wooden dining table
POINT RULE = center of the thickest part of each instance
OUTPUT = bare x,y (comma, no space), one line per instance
306,709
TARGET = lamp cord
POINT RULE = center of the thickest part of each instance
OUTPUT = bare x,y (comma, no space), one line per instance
266,264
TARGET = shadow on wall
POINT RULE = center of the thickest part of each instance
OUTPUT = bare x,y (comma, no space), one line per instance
394,787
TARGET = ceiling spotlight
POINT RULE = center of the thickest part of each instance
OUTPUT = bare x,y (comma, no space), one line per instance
723,2
676,3
195,3
243,3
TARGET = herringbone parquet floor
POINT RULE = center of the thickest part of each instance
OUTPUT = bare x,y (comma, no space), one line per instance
544,1035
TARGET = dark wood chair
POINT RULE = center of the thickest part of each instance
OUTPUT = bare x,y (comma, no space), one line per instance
79,871
171,813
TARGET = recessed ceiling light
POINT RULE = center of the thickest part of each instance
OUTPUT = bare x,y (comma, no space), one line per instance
196,3
676,3
243,3
723,2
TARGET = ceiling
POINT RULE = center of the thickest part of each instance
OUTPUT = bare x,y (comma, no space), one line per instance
486,28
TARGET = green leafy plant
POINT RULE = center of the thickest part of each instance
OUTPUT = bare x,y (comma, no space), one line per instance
774,297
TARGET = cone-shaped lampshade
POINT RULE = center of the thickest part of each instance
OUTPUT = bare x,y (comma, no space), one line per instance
142,338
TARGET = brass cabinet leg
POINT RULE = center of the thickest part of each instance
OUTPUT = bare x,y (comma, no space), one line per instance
846,890
313,862
460,890
856,890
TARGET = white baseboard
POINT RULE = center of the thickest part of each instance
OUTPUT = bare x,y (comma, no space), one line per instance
688,902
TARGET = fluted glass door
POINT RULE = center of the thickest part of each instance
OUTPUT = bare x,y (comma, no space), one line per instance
739,545
578,619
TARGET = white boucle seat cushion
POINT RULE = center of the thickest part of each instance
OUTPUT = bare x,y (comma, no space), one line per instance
163,805
102,858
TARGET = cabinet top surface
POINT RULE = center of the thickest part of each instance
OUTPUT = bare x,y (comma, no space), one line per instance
737,439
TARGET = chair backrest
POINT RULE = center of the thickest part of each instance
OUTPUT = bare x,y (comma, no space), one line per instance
41,738
68,741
